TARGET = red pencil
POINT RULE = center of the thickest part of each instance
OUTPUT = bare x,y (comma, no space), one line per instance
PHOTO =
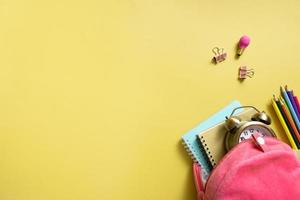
297,103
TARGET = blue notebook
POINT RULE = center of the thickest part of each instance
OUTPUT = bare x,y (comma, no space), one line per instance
190,138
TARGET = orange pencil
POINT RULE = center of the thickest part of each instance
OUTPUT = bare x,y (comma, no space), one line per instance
289,118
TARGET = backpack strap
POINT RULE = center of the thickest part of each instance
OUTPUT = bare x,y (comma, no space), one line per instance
198,181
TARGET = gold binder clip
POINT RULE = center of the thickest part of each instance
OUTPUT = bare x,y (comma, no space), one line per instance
220,55
244,72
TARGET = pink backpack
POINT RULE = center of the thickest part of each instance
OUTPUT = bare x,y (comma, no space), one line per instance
258,168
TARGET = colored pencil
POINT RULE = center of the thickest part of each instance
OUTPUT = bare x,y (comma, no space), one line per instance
297,103
289,119
290,108
291,95
284,125
286,119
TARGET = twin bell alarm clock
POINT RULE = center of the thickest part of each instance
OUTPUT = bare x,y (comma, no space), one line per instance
239,130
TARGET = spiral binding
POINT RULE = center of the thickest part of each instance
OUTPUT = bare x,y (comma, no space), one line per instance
186,146
207,151
189,150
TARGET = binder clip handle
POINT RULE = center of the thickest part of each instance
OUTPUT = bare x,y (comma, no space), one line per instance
219,54
244,72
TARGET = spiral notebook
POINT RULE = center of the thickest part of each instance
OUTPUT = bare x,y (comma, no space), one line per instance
191,143
212,140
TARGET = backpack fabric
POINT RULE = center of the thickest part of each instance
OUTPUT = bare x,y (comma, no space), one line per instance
258,168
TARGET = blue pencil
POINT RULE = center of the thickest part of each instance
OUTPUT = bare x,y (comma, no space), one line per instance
291,97
290,106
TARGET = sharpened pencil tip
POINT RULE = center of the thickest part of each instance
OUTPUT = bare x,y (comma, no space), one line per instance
282,89
281,99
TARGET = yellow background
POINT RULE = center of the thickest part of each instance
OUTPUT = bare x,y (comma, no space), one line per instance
95,95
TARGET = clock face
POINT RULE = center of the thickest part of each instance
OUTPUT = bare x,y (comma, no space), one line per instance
250,130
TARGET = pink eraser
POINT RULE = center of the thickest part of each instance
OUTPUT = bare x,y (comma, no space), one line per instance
244,41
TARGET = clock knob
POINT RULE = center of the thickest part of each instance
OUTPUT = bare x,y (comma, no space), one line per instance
262,117
232,123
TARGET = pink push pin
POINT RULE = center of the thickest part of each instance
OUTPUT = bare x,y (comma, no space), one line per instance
243,43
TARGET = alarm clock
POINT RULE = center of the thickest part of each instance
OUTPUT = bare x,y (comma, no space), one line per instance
239,130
